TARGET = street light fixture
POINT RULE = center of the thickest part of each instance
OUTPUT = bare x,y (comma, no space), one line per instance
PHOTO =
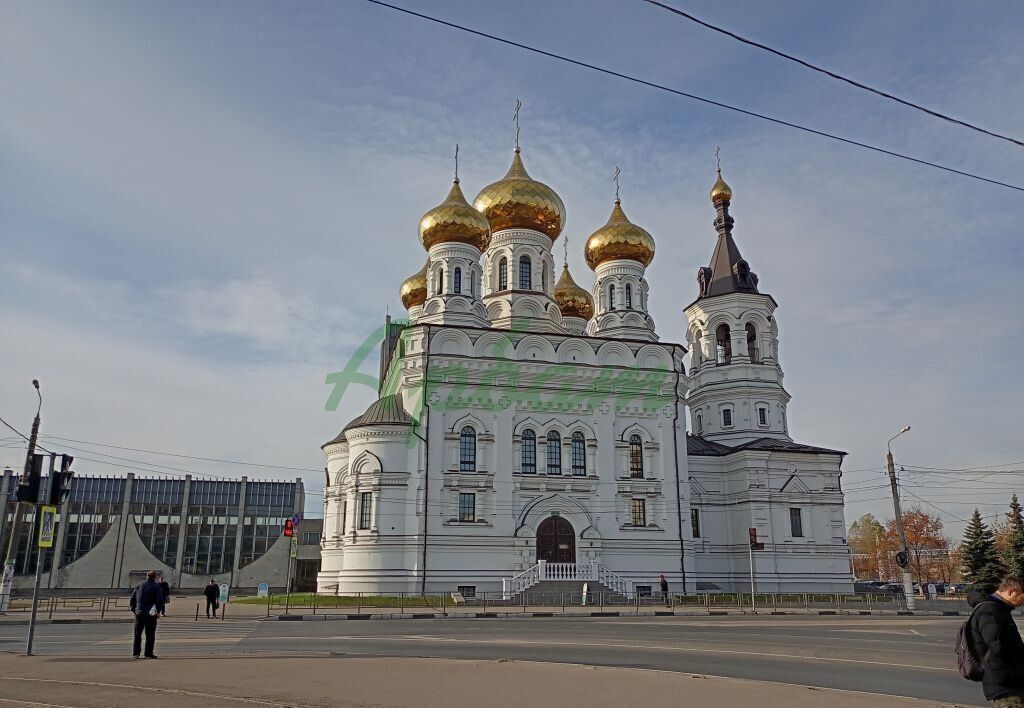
902,558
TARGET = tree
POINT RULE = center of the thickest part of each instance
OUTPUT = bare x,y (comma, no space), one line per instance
867,543
1013,551
981,566
926,545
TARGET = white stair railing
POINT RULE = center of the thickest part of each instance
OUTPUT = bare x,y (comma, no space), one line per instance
614,582
572,572
527,579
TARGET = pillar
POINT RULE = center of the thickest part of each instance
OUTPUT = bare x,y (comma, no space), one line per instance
179,559
238,529
122,531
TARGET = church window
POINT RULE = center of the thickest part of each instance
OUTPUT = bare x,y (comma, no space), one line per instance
365,509
695,353
503,274
695,522
467,450
752,342
467,507
724,344
727,417
611,296
579,455
457,281
762,415
529,452
700,423
639,515
554,452
636,457
525,273
471,280
629,296
796,523
344,513
544,276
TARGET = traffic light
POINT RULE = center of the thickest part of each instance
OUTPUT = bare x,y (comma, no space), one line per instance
60,486
289,527
28,489
754,544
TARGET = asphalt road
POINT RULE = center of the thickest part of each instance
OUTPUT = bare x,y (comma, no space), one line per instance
904,656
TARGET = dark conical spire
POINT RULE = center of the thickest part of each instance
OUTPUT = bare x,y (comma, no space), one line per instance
728,272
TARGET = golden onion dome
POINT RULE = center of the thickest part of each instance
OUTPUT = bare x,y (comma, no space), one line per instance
519,202
414,289
455,221
573,300
721,192
619,239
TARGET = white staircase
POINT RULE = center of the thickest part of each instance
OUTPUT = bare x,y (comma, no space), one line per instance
571,572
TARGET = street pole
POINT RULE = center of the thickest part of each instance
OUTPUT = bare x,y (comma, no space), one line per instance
40,555
908,582
753,601
7,577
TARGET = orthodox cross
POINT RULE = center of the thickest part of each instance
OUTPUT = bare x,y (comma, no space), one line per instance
615,177
565,246
515,119
456,162
718,159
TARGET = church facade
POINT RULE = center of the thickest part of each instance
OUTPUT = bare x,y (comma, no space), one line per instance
529,429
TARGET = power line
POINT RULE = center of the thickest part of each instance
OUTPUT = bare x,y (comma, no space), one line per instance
831,74
23,436
719,104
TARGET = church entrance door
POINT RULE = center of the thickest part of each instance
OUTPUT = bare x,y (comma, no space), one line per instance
556,541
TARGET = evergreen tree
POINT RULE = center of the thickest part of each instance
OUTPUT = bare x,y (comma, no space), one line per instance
982,568
1013,555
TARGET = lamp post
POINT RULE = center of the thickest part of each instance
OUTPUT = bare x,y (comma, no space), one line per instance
902,558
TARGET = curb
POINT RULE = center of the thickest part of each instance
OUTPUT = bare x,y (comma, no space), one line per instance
583,615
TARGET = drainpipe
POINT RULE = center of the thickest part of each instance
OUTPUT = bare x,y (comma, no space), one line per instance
426,463
679,505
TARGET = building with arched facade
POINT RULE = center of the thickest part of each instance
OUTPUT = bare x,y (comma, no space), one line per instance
530,429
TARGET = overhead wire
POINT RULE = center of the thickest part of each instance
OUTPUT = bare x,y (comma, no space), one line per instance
708,101
832,74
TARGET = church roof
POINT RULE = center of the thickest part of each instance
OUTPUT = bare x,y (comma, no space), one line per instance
727,273
384,411
699,447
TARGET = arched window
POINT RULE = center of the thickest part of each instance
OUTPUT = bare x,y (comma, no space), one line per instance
544,276
554,452
611,296
636,457
529,457
579,455
503,274
696,353
752,342
472,279
525,273
700,424
440,281
457,281
629,296
467,449
724,344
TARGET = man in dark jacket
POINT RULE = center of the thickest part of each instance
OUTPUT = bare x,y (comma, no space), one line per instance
997,643
147,602
212,593
663,583
166,588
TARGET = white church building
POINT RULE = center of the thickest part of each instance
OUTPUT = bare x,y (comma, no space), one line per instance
530,430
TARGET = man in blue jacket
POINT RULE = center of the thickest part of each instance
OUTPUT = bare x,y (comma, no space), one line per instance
147,603
997,643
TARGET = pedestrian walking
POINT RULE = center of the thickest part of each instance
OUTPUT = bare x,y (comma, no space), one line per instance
993,638
166,589
212,593
664,590
147,602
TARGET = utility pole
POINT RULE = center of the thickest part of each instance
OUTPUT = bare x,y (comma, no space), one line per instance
902,558
40,552
7,579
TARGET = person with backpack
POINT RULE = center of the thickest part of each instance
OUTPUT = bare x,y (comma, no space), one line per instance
990,649
146,603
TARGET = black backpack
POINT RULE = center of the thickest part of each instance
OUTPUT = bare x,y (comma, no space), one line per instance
967,661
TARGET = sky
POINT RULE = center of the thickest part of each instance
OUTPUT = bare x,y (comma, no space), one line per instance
205,208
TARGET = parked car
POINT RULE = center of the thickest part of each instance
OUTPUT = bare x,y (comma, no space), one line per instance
895,588
862,587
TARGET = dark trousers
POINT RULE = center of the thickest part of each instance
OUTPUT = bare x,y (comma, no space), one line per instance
147,624
211,604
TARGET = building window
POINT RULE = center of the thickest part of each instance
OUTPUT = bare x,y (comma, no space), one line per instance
629,296
579,455
762,415
700,424
544,276
468,592
752,342
440,281
472,279
525,273
727,417
467,507
695,522
611,296
467,450
529,452
723,344
457,281
796,523
554,452
310,538
365,509
696,352
344,515
503,274
636,457
639,512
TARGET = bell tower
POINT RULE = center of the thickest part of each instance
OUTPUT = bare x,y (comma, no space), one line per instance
736,393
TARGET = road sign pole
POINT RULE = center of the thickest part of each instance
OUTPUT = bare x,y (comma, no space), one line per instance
37,531
753,601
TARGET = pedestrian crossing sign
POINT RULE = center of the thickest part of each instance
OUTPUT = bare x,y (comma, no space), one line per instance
48,522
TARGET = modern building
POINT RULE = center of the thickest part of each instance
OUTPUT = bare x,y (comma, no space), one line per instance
529,429
114,529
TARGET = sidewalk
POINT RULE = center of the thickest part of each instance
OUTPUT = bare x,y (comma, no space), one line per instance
305,682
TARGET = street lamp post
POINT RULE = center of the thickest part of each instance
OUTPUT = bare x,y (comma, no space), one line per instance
902,558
